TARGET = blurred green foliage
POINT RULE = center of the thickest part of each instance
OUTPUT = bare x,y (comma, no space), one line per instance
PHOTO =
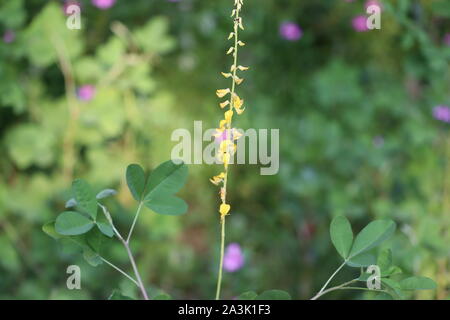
357,138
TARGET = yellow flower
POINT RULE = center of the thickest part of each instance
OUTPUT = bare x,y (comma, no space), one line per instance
237,104
224,104
217,179
222,92
224,209
226,75
238,80
242,68
228,116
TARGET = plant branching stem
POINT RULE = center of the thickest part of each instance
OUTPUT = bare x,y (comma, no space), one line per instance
331,278
344,287
134,221
222,249
120,270
130,254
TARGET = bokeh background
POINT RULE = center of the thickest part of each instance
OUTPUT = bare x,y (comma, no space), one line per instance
364,131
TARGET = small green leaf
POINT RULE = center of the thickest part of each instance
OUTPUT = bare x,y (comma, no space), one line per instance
341,235
167,179
85,197
72,223
117,295
49,229
166,204
372,235
106,193
384,260
417,283
274,295
393,287
71,203
392,270
91,257
136,181
248,295
105,228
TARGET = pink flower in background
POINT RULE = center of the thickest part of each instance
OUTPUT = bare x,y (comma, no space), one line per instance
86,92
291,31
442,113
103,4
373,3
447,39
9,36
359,23
233,259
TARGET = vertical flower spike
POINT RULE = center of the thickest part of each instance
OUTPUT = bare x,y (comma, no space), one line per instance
234,103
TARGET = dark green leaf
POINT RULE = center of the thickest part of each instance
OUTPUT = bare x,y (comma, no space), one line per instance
417,283
105,228
85,197
136,181
72,223
341,235
364,259
167,204
372,235
167,179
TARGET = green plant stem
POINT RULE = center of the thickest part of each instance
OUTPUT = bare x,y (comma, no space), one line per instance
120,270
328,281
222,250
127,248
134,221
344,287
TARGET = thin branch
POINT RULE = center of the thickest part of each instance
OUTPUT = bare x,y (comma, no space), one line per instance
332,276
136,215
127,248
120,270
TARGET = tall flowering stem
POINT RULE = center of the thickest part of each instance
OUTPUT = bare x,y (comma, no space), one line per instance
226,134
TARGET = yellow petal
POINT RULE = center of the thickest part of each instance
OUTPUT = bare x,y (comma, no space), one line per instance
238,80
228,116
231,35
230,50
222,124
226,75
236,134
224,104
224,209
222,92
242,68
240,111
241,43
